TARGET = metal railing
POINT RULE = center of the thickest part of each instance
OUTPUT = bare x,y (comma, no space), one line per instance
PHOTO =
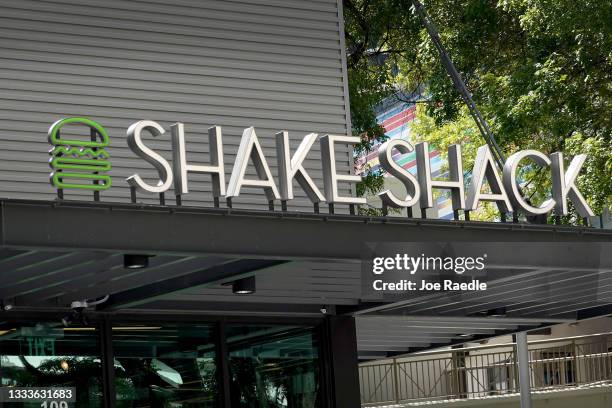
482,372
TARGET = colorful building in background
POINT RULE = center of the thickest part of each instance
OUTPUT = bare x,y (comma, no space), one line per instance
396,117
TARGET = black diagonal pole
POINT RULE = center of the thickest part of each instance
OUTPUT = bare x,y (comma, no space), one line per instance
483,127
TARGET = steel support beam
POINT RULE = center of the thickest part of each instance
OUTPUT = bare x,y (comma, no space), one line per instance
458,342
108,363
246,234
231,308
341,371
522,352
459,85
223,372
150,292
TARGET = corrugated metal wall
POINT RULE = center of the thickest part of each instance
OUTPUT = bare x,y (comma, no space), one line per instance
272,64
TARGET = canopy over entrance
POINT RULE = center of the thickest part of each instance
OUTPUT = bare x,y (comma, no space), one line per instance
54,253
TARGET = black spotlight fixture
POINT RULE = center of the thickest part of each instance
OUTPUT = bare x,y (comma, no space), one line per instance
133,261
244,286
497,312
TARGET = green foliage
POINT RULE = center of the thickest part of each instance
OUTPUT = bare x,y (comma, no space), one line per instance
596,178
462,131
371,183
539,70
373,58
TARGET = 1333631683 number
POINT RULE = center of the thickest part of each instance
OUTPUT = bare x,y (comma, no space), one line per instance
49,397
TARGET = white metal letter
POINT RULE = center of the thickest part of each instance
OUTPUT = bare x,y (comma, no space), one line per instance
427,183
330,176
385,156
292,167
564,185
181,167
250,149
511,183
134,139
484,167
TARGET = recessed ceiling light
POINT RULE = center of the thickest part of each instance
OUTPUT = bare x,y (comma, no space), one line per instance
133,261
497,312
244,286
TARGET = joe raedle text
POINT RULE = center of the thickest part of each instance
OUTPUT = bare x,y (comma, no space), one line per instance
447,285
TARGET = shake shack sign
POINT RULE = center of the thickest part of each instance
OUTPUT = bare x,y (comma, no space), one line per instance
85,164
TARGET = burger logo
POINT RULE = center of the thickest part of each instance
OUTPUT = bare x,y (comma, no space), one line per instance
79,164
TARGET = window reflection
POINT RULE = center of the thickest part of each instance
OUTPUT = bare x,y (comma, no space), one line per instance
49,355
166,365
163,366
273,366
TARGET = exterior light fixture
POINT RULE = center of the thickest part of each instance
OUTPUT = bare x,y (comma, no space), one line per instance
497,312
244,286
5,305
132,261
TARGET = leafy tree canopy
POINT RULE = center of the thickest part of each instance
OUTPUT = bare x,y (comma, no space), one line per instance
539,70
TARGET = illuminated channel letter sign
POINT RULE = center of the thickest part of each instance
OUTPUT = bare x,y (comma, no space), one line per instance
79,164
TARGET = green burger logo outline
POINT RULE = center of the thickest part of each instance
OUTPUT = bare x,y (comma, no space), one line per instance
74,162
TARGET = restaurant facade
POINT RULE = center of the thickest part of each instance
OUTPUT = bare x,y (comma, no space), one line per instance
179,219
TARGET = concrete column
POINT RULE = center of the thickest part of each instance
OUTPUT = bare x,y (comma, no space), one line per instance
522,352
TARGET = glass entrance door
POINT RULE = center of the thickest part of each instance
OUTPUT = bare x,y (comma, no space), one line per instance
273,366
165,366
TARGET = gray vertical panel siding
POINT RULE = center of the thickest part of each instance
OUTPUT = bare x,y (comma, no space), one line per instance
272,64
